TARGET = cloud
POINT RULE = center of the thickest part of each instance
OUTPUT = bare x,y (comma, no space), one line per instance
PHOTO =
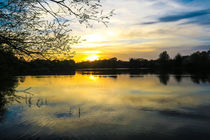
185,24
201,20
202,47
181,16
150,22
184,16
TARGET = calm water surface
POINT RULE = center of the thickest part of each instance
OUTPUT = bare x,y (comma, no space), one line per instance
100,106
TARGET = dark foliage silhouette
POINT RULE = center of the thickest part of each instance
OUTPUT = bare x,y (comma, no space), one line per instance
41,28
164,78
7,90
196,62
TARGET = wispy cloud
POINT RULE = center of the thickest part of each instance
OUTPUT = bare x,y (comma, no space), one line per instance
182,16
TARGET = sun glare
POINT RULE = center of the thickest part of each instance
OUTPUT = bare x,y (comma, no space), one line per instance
93,57
93,78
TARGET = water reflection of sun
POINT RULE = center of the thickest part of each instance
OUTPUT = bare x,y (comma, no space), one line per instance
93,57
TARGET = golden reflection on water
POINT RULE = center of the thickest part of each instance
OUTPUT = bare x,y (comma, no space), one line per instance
75,103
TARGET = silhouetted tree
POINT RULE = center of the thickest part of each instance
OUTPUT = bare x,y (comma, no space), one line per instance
42,27
199,60
7,62
178,60
137,63
113,62
196,62
164,57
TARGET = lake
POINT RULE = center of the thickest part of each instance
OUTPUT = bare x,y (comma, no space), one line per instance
99,105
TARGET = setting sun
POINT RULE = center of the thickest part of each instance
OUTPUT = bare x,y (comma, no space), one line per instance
93,57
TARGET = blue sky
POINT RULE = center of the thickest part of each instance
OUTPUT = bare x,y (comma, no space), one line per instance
144,28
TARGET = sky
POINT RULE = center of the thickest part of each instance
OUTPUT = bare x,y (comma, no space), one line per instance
144,28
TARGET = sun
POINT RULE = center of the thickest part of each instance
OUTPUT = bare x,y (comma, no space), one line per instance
93,78
93,57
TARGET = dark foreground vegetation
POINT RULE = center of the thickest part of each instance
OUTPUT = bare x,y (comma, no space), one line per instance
196,62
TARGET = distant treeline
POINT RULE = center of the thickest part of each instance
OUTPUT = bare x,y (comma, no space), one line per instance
197,60
10,64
